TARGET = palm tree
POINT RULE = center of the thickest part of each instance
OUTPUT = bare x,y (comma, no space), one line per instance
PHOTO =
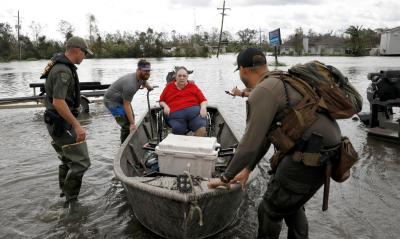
356,42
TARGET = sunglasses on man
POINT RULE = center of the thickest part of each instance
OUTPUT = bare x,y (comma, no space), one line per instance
146,70
84,51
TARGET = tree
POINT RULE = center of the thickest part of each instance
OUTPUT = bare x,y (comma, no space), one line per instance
29,51
7,41
213,37
298,40
247,36
47,48
357,45
371,38
97,46
93,29
66,29
36,29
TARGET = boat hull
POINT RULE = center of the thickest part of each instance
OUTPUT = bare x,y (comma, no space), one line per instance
171,219
170,213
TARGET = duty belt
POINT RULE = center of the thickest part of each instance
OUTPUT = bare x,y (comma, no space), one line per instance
315,159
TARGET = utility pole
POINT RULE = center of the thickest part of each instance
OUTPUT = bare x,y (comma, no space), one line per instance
222,25
260,36
18,26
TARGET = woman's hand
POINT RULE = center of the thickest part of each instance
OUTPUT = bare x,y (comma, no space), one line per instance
203,112
166,110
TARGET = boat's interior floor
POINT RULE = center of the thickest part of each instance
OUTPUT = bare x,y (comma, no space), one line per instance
144,168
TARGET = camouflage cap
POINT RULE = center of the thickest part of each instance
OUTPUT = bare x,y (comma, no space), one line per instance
78,42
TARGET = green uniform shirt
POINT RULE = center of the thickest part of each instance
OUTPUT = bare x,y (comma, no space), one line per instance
60,84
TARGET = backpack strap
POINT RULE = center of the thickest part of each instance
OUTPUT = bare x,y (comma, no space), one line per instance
286,91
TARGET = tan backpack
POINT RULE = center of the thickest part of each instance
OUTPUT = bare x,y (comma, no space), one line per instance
324,89
339,97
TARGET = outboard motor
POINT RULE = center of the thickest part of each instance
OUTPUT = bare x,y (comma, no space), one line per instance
385,85
383,93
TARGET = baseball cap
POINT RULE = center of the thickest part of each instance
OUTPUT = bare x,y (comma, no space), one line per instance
79,42
250,57
144,65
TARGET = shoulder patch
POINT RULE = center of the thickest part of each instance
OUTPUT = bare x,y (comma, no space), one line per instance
64,77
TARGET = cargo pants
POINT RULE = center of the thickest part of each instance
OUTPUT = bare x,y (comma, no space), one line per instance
292,185
74,161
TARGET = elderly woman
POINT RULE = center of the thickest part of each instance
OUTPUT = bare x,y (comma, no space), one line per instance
184,105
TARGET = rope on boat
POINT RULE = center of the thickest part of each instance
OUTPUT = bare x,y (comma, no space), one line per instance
150,180
194,203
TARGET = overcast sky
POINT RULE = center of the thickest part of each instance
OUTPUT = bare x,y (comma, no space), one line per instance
183,15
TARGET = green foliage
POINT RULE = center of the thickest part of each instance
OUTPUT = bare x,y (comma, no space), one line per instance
356,43
46,49
7,42
297,40
151,43
361,40
247,36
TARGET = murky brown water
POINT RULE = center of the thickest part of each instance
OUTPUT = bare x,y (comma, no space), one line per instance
366,206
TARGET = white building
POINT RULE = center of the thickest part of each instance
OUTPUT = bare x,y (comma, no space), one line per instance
390,42
305,45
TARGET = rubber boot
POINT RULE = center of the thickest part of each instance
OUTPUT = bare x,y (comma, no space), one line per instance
62,174
124,124
62,168
78,162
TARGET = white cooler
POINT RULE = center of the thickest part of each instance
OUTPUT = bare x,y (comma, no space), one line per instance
175,152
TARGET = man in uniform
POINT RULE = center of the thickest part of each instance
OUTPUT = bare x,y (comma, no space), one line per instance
119,95
294,182
62,103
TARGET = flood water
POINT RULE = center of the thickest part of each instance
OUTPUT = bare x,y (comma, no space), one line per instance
365,206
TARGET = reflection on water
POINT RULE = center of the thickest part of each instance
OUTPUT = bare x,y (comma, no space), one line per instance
98,74
7,76
351,72
366,206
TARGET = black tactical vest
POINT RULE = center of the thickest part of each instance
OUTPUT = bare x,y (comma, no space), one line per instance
61,59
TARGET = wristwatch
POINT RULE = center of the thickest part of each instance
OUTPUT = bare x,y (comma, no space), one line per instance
224,179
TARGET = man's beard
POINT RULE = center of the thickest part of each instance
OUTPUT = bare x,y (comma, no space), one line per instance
144,76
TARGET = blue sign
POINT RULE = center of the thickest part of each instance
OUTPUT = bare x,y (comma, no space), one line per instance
275,37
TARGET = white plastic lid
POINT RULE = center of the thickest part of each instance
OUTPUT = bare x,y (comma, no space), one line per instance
189,144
